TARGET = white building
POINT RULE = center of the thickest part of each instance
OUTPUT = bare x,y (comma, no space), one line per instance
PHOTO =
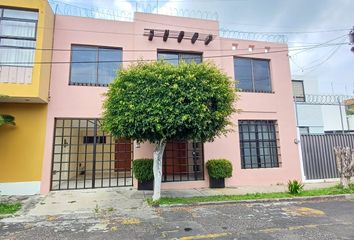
319,113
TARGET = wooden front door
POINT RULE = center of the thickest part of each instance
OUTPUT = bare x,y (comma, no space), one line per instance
175,157
123,155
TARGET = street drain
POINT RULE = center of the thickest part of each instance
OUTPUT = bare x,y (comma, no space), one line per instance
187,229
224,228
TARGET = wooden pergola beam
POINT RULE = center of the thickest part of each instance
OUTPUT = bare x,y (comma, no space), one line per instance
165,35
180,36
208,39
151,34
195,37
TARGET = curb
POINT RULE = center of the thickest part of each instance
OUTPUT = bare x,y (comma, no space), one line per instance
2,216
272,200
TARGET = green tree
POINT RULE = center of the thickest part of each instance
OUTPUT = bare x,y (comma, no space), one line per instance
350,110
7,119
158,101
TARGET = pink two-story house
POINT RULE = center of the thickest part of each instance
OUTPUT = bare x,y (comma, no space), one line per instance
86,54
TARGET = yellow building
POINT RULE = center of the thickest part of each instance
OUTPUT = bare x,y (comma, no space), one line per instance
26,37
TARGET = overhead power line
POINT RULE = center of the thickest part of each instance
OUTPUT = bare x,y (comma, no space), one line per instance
324,43
154,50
314,67
221,30
320,60
149,60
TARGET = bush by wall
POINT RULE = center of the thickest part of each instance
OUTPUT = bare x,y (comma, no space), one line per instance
219,168
143,169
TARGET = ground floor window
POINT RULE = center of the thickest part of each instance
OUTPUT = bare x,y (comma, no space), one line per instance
84,156
183,161
258,143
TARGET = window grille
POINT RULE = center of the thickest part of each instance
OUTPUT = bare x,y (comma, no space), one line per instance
183,161
84,156
258,143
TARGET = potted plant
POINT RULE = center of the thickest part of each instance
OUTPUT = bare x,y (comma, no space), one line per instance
218,170
143,172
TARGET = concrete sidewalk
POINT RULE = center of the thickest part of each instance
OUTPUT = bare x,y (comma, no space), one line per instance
126,201
91,201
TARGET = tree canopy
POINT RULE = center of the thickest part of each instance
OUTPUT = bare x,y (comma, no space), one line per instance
158,101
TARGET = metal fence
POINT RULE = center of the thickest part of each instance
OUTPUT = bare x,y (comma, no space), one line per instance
324,113
318,154
84,156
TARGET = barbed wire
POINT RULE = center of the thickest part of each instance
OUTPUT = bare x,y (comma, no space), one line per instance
66,9
325,99
191,13
62,8
228,33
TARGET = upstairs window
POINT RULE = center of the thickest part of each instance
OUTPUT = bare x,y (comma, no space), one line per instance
253,75
304,130
17,37
298,90
94,66
177,57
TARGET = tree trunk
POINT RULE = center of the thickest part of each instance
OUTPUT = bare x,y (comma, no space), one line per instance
158,154
345,164
344,182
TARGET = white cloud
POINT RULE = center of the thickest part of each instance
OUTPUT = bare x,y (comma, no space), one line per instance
123,5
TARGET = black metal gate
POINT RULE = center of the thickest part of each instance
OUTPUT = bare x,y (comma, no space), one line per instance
318,155
84,156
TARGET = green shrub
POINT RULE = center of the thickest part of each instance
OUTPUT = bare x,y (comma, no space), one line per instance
9,208
152,202
295,187
143,169
219,168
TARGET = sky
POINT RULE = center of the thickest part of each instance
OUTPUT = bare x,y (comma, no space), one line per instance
303,22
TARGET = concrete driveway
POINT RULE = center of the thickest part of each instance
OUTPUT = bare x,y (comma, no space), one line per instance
320,219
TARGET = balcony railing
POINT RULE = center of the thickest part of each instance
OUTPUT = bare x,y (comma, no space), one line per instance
16,74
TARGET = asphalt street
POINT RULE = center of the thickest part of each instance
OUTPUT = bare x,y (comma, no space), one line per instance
320,219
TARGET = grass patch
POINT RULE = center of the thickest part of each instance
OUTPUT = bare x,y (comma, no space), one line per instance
9,208
254,196
152,202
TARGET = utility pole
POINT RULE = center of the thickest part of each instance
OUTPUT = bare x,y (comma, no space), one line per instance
341,114
351,39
